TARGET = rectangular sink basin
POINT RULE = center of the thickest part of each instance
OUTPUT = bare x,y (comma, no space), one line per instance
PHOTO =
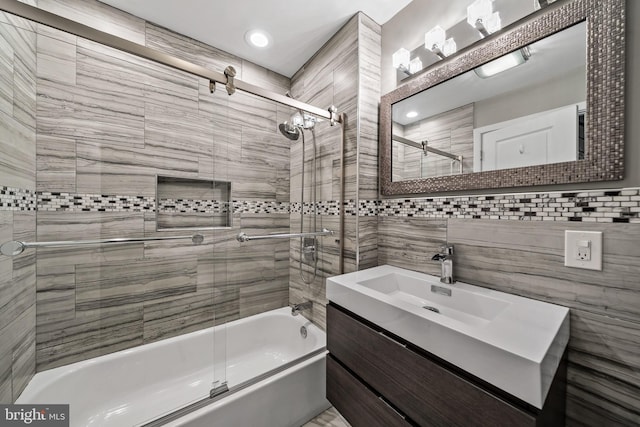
512,342
463,305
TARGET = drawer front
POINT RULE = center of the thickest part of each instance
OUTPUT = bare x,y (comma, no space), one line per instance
359,405
426,392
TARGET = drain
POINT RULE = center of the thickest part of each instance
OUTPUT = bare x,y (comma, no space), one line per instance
303,332
428,307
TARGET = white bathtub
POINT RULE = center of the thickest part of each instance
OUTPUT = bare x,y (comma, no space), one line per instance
133,387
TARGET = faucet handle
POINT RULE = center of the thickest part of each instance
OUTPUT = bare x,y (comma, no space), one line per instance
446,249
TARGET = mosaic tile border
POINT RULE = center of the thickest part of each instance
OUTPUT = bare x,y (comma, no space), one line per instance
325,207
193,206
17,199
622,206
260,207
73,202
616,205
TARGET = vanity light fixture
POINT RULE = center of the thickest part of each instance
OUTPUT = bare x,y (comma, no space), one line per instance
480,15
505,62
402,60
436,41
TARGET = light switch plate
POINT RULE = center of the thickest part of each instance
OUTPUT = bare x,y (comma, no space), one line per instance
574,240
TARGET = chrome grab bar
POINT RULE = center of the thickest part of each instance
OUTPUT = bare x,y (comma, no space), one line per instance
16,247
243,237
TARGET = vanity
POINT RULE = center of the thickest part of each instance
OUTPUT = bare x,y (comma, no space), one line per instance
406,349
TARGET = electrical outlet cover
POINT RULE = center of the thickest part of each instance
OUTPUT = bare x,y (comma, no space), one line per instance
572,242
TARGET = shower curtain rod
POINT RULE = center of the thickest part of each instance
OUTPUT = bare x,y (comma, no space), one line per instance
16,247
227,78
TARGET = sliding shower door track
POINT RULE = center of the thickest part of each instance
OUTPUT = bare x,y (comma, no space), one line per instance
210,400
58,22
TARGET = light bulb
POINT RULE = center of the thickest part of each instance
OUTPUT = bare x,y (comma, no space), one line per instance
434,37
257,38
401,58
479,9
493,23
449,47
415,65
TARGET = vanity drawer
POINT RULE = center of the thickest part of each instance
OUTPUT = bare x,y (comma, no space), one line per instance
425,391
343,390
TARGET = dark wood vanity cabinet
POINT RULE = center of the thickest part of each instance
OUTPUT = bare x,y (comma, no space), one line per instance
376,379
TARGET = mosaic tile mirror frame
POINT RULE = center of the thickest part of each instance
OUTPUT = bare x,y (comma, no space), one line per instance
604,145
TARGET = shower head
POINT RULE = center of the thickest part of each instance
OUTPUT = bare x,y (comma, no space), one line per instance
290,131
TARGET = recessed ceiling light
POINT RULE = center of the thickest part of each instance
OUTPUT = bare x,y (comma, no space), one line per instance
257,38
412,114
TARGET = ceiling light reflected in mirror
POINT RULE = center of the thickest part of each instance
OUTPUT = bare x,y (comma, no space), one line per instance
503,63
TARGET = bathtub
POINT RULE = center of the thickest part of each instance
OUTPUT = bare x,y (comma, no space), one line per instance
274,375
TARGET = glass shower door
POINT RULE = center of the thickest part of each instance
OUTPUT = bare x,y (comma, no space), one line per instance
125,150
214,103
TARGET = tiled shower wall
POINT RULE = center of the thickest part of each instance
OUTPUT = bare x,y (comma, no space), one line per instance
104,125
344,73
515,253
17,204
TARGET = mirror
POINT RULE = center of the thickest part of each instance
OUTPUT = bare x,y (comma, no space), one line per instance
487,119
470,122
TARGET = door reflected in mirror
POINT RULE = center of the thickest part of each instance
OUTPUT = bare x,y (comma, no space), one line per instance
523,109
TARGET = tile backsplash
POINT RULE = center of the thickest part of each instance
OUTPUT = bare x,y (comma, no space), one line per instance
17,199
621,205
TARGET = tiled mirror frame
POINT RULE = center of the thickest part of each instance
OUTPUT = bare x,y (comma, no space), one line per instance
604,159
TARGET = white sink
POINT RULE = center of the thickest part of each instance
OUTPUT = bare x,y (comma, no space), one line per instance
512,342
463,305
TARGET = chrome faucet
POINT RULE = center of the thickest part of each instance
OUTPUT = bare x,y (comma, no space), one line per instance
297,308
446,263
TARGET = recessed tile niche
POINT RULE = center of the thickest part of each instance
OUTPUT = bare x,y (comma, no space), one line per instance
192,203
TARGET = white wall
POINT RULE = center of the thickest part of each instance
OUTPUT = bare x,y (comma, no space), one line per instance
568,90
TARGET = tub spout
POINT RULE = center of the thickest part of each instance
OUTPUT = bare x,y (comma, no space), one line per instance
297,308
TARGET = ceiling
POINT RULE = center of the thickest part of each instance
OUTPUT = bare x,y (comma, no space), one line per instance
297,28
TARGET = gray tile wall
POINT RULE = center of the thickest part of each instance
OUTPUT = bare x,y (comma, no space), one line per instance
17,209
370,51
103,123
527,258
344,73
